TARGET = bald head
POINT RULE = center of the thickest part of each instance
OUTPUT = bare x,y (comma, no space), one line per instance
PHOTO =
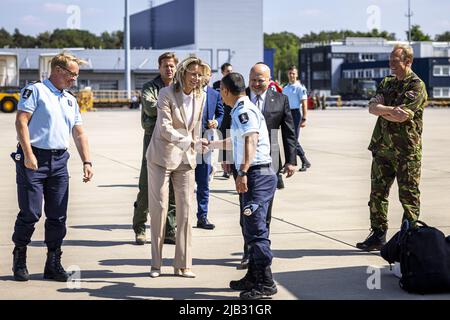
259,78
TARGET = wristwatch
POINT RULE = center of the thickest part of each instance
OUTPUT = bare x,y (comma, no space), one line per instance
242,173
87,163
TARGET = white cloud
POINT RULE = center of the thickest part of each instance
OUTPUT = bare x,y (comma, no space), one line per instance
54,7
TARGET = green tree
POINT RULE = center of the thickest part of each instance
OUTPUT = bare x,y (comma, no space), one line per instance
23,41
6,40
417,34
443,37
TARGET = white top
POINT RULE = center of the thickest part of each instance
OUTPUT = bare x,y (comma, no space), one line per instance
188,105
262,100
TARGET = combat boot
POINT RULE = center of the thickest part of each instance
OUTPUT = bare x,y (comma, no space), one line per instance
53,268
375,240
264,286
247,282
20,264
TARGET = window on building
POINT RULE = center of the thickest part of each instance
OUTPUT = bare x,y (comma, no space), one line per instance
321,75
441,71
441,92
368,73
317,57
377,73
302,58
105,84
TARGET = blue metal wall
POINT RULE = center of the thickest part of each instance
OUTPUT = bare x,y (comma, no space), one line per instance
166,26
269,58
140,35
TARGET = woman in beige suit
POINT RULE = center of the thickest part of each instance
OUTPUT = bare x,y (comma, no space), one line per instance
172,155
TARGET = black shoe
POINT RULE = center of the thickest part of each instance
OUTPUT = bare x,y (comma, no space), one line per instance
374,242
205,224
246,283
20,264
226,175
53,268
305,164
280,183
264,286
170,240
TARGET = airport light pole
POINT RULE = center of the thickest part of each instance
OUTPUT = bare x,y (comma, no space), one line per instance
127,51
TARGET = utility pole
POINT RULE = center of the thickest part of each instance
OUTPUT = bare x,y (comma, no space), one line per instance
409,15
127,51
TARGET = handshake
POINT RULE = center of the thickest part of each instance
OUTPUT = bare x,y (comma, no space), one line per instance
201,145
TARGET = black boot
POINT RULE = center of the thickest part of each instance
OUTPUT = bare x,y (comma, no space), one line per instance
280,183
264,286
305,164
375,240
20,264
245,259
53,268
247,282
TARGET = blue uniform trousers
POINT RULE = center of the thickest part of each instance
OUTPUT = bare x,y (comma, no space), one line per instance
202,172
297,119
49,184
262,183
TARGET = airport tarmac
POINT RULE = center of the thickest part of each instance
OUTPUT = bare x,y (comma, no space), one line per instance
317,218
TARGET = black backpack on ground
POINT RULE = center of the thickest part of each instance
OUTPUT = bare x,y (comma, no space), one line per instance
424,256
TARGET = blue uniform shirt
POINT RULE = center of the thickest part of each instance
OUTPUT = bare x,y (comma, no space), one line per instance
296,93
54,114
246,118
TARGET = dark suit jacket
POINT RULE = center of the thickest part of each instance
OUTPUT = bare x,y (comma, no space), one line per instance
278,114
213,109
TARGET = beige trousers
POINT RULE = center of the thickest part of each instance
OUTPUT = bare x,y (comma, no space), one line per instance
183,180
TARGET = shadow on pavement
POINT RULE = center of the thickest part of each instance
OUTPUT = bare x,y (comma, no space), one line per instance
118,186
169,262
105,227
126,290
86,243
351,283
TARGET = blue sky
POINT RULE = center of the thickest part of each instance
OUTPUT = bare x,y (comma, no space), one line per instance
297,16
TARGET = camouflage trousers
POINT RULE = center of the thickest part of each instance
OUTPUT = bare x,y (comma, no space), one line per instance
385,168
141,205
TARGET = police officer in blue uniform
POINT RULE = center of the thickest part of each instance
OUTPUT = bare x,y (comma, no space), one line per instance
47,115
256,183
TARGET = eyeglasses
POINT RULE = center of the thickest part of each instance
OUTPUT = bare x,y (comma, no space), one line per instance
70,73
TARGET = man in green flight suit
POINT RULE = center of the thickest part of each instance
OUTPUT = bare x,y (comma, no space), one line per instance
167,66
396,144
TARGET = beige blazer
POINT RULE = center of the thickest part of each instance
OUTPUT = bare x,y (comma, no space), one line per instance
172,137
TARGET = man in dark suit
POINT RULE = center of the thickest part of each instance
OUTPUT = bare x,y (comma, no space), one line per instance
277,113
212,119
227,156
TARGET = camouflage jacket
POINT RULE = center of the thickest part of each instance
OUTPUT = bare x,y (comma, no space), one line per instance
404,139
149,111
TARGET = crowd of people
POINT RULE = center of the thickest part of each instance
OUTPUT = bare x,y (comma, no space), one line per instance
181,115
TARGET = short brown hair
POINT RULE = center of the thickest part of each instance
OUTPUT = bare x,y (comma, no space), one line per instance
64,58
292,67
167,55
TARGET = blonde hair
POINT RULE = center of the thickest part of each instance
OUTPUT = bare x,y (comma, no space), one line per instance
407,51
64,58
206,70
181,73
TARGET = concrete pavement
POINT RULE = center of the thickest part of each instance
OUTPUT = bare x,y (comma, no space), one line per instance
318,218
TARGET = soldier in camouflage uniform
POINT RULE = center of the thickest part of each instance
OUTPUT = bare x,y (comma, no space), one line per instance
396,144
167,67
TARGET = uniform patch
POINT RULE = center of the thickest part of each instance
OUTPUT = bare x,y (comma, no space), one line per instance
69,102
18,156
27,93
243,118
411,95
250,209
